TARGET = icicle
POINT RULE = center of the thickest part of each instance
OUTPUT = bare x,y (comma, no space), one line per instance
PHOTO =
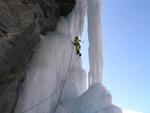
76,18
95,41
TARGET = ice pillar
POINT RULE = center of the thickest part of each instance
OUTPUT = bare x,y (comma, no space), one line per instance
95,41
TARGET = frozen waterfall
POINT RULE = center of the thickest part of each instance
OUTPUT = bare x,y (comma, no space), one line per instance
55,81
54,60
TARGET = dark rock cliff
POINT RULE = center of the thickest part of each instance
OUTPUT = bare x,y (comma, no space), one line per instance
21,23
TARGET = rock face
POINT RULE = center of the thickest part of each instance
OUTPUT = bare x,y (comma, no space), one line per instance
21,22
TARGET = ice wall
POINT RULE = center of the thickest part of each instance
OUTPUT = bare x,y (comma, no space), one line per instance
54,60
95,41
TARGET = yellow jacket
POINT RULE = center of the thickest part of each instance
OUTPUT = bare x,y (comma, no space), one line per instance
78,47
76,41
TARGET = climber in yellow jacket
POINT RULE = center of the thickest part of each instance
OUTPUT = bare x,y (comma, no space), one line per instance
77,41
77,45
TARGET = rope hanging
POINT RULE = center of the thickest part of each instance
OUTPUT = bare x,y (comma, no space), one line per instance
54,91
65,80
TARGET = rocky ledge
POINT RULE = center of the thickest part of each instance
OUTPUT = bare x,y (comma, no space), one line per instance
21,23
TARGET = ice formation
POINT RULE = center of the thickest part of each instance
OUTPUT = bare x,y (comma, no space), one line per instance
55,81
95,41
54,59
95,100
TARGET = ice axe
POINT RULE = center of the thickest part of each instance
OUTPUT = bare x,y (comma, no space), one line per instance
82,41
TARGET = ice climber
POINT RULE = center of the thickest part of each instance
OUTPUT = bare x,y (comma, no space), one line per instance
77,45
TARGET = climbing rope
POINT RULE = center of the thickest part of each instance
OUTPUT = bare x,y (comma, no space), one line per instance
41,101
54,91
65,80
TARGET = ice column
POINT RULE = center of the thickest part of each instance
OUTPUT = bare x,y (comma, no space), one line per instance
95,41
76,19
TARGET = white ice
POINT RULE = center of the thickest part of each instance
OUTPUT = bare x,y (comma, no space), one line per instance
95,100
95,41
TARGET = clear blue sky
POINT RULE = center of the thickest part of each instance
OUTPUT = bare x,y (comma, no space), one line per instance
126,52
